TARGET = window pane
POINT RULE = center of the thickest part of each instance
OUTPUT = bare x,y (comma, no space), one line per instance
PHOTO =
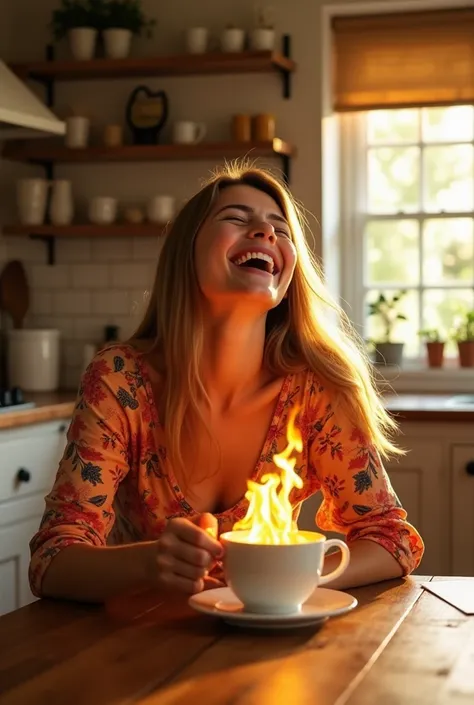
441,309
403,331
448,178
393,180
392,126
453,124
392,252
448,251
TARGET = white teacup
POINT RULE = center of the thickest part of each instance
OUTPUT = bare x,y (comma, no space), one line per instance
103,210
187,132
278,579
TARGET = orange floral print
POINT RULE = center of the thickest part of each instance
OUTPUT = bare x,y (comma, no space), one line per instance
115,483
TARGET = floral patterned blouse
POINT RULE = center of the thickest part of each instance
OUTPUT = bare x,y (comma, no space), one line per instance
115,483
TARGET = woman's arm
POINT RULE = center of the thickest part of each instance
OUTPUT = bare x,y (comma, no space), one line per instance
359,502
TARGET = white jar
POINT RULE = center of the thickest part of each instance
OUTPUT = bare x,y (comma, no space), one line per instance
61,210
33,359
103,210
233,40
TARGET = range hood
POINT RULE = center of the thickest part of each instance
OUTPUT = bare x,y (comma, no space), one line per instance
22,114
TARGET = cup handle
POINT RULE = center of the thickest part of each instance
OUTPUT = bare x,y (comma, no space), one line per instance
345,559
200,132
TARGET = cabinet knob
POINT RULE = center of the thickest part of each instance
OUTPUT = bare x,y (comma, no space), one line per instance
23,475
470,467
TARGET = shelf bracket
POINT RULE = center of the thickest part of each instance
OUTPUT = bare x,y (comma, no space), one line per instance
50,242
286,75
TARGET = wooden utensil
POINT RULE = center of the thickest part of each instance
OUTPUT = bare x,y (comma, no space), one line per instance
14,292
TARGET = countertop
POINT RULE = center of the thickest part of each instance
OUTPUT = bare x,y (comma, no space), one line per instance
406,407
158,651
49,406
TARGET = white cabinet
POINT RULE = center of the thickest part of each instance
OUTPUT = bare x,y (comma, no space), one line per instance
462,507
29,458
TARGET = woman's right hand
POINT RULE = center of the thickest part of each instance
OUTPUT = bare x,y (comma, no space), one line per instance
185,552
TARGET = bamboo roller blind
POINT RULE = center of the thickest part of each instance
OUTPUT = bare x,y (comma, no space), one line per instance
412,59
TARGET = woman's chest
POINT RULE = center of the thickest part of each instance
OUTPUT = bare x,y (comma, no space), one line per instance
224,457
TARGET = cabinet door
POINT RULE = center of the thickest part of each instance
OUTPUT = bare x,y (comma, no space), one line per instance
14,561
462,509
417,478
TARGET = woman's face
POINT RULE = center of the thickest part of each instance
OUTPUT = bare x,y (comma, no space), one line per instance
243,252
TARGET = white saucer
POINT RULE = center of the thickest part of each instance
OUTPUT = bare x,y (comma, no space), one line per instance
323,603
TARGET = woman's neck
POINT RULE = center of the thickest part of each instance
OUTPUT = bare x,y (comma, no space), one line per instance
232,361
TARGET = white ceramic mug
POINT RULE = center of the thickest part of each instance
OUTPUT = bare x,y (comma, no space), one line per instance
32,197
187,132
232,40
102,210
160,209
77,132
278,579
196,40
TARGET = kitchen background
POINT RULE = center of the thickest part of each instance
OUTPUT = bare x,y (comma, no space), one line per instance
96,282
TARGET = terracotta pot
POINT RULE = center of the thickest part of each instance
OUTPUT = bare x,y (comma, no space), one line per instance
466,353
435,354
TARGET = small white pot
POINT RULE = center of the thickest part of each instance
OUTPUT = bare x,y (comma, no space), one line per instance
233,40
262,39
103,210
196,40
117,43
82,41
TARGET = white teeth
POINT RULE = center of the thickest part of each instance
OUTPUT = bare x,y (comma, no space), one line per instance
255,255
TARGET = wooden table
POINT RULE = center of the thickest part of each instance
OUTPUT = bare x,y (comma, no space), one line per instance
402,645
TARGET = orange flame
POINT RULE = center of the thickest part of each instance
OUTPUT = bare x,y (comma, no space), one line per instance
269,518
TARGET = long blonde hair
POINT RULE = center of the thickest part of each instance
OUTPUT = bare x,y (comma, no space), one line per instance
299,332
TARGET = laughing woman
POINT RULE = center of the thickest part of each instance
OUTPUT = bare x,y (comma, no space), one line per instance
169,427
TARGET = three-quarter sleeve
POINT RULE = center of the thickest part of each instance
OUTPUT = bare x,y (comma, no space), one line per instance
358,498
95,461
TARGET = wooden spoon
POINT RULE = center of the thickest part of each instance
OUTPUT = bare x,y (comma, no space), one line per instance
14,292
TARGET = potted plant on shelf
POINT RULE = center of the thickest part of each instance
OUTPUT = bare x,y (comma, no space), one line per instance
386,351
123,19
262,37
79,21
464,336
434,346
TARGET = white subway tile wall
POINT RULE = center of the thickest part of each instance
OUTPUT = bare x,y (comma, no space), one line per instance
92,284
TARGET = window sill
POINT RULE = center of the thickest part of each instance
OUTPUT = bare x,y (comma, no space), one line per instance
416,377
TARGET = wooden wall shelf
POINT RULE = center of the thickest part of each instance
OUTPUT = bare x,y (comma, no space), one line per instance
49,233
86,230
173,65
43,151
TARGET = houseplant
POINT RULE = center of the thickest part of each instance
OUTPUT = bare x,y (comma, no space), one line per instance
464,336
123,19
262,37
79,21
434,346
388,352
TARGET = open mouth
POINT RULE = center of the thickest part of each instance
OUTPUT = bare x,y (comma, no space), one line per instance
257,260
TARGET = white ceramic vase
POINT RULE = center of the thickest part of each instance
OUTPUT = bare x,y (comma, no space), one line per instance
32,197
82,42
61,210
117,43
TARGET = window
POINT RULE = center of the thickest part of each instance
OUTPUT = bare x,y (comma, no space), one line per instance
408,179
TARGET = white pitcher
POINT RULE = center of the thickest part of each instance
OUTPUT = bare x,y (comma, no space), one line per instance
61,210
32,195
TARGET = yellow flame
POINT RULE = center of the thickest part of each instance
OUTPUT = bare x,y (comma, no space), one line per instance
269,518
